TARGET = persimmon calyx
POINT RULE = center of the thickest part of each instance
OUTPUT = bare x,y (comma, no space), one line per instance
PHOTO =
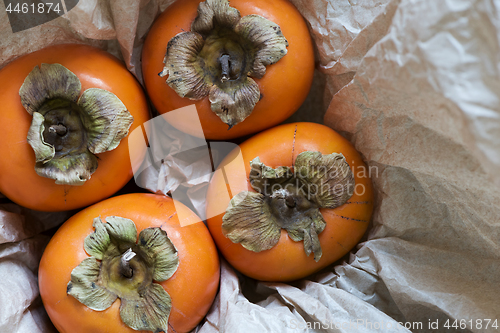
290,200
125,266
218,57
68,129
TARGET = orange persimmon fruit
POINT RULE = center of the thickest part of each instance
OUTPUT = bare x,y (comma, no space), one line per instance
51,84
299,147
265,47
192,286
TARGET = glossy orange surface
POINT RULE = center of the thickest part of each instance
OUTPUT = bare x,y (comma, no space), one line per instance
95,69
192,288
345,225
283,88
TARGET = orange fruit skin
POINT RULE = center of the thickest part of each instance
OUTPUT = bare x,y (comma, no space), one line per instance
283,88
345,225
192,288
95,69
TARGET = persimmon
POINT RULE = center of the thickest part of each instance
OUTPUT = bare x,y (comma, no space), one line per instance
66,112
303,200
246,65
130,247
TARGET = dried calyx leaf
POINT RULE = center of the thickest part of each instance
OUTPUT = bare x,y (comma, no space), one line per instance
263,178
218,57
288,200
66,131
125,266
329,177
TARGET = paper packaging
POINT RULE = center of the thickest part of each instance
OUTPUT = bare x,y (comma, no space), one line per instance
415,86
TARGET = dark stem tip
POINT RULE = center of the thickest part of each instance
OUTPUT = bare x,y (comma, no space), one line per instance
125,268
225,65
59,129
290,201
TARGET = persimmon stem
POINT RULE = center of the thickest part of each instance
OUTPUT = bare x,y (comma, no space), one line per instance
59,129
125,268
225,64
290,201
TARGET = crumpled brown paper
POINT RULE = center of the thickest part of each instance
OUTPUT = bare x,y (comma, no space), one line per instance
423,108
177,164
415,85
21,247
